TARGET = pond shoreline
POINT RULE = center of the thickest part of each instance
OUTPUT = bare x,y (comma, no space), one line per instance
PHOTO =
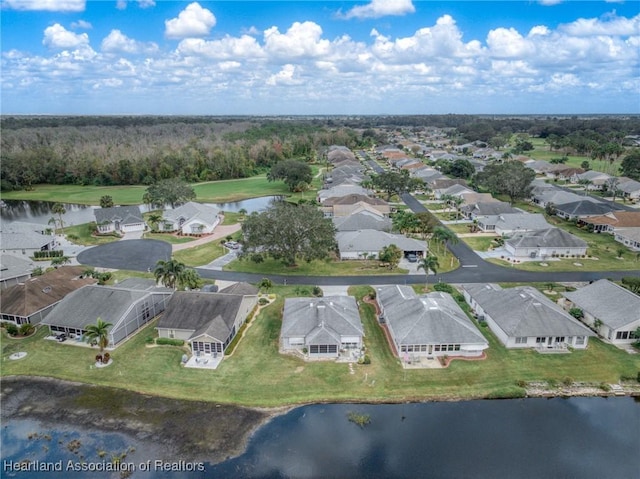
182,429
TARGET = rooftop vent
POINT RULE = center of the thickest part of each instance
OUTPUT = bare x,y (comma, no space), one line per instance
46,289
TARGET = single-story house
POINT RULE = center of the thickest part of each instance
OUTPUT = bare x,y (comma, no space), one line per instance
488,208
563,172
597,179
337,153
207,321
540,166
349,205
25,238
508,224
126,306
345,189
426,174
610,222
122,219
32,300
14,270
542,196
428,325
191,219
474,197
583,208
453,190
241,287
523,317
630,189
629,237
363,244
321,327
545,243
610,309
441,184
363,220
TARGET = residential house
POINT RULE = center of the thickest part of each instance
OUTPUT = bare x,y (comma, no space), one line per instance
241,287
121,219
127,306
14,270
612,221
565,173
453,190
630,190
610,309
629,237
208,322
441,184
426,174
541,167
428,325
351,204
546,243
596,179
337,153
523,317
191,219
321,327
487,208
555,196
363,244
363,220
474,198
509,224
25,238
345,189
32,300
583,208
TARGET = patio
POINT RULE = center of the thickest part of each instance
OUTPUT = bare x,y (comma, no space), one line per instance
205,361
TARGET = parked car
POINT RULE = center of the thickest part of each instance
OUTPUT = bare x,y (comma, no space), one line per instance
412,258
232,244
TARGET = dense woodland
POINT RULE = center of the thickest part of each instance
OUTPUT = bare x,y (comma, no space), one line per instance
134,150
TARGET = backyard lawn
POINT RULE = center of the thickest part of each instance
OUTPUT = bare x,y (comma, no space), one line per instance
257,375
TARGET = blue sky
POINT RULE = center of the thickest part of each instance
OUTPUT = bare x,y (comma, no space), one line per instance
319,57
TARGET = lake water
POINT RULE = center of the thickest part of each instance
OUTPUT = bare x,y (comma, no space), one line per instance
529,438
39,212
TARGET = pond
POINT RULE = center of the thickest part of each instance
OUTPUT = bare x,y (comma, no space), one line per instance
39,212
528,438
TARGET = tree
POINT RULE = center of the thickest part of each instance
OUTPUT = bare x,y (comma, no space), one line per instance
391,255
611,186
189,279
461,168
106,201
289,232
430,262
265,284
168,272
60,261
154,219
511,178
444,235
292,172
631,165
59,209
99,333
404,221
426,223
585,165
171,191
395,183
620,251
53,221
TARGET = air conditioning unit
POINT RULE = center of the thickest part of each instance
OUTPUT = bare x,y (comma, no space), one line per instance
481,318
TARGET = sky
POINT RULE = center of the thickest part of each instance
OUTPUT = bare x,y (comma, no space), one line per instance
235,57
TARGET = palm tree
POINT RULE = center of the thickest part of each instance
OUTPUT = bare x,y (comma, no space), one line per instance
99,333
59,209
54,222
444,236
168,272
60,261
154,219
430,262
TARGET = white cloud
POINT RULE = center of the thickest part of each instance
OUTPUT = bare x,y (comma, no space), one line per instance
146,3
613,26
286,76
56,36
121,4
508,43
117,41
46,5
381,8
300,40
81,25
549,3
244,47
193,21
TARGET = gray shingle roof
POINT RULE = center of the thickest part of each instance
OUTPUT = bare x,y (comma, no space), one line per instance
193,311
584,207
242,288
344,189
516,221
490,208
22,235
207,214
433,318
361,221
549,238
372,240
614,305
525,312
306,317
14,266
630,186
125,214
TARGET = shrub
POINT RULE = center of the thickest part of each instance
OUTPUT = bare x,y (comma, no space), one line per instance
444,288
170,341
317,291
360,419
263,301
106,357
27,329
605,387
149,340
364,359
521,383
12,329
567,381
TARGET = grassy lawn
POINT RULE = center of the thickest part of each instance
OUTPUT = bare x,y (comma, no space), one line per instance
231,218
459,228
169,238
314,268
82,234
479,243
200,255
284,379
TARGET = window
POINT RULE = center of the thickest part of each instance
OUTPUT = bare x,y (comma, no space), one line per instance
521,340
625,335
541,340
436,348
579,340
559,339
349,345
145,311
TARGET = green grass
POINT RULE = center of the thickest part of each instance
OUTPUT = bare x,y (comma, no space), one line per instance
82,234
231,218
314,268
479,243
169,238
257,375
459,228
201,255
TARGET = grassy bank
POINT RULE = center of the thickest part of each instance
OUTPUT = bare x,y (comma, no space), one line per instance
258,375
314,268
